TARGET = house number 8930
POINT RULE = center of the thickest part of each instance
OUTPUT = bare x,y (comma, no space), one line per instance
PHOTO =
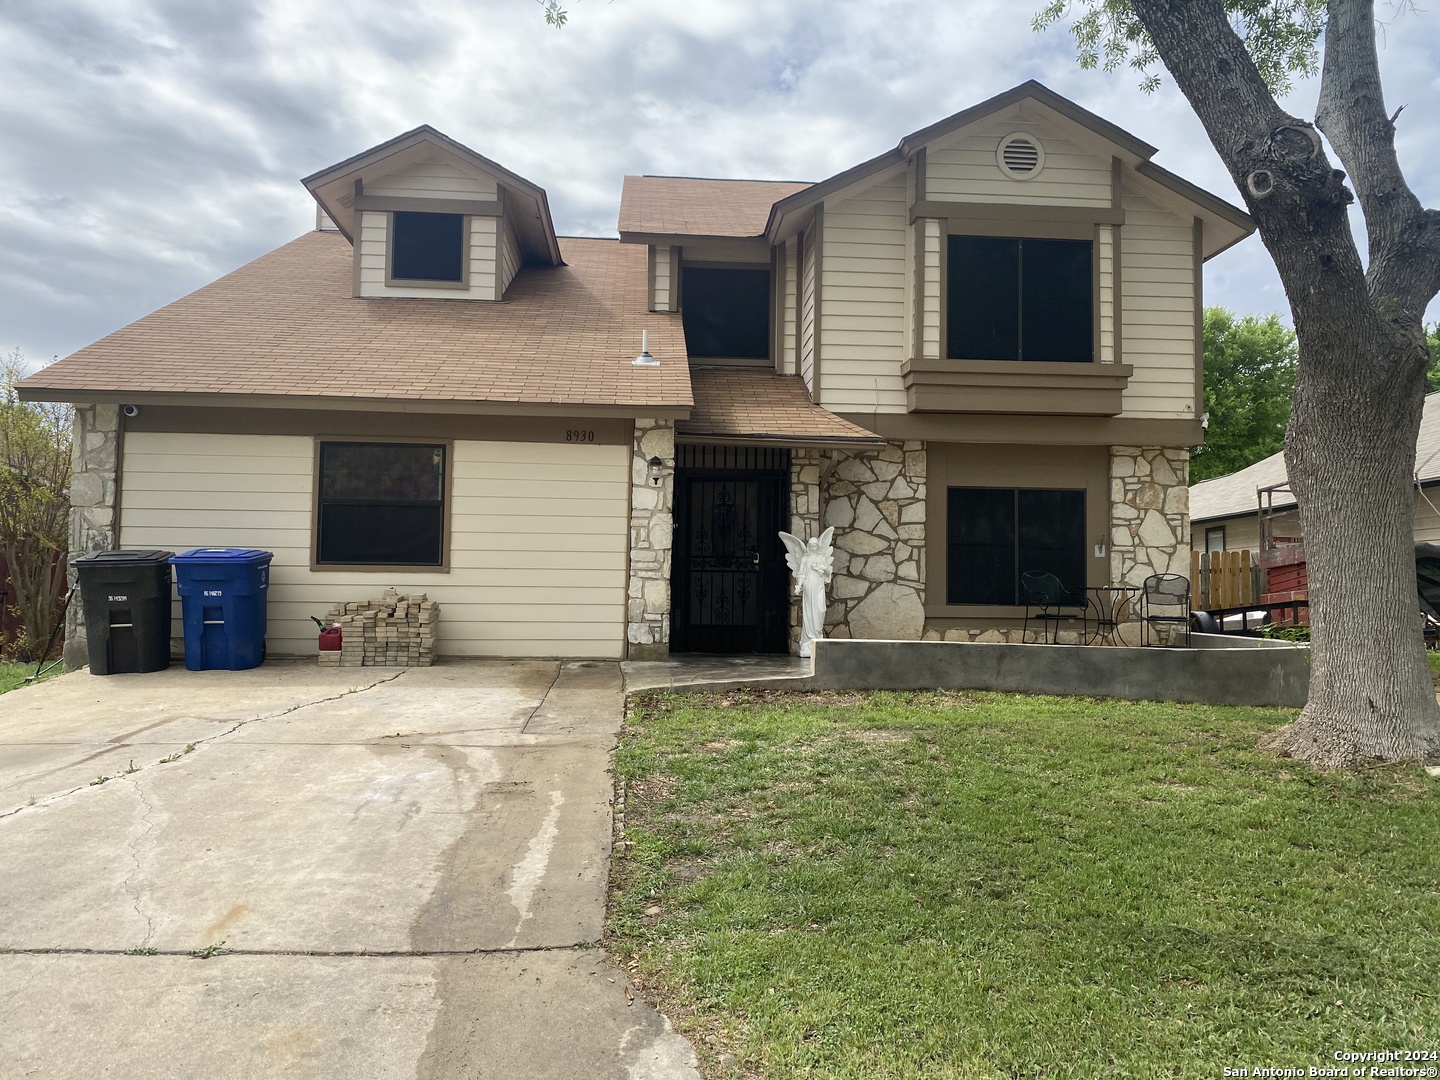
577,435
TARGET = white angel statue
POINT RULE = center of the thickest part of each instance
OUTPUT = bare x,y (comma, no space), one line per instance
813,565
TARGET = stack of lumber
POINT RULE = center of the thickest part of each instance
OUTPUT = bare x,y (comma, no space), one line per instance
391,631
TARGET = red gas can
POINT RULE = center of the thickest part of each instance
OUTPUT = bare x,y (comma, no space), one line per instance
330,639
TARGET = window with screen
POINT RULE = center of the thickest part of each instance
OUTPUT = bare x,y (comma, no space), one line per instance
427,247
725,312
1215,539
381,504
993,535
1016,298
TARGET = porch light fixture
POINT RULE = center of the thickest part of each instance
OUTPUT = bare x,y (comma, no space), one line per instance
657,467
645,359
1100,546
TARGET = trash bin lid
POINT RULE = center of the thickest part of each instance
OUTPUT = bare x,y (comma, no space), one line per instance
229,555
121,558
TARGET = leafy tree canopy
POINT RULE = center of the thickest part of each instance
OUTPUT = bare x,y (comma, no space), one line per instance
1249,380
1280,36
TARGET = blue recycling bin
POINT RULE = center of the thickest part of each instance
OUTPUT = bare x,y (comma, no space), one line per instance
223,593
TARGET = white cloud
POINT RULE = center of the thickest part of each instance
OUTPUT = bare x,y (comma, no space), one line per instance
153,145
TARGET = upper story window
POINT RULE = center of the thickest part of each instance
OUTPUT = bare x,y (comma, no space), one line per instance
726,313
1013,298
427,247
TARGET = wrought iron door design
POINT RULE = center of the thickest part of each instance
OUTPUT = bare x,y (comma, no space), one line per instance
729,585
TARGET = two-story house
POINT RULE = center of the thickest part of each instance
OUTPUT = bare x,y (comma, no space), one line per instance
975,355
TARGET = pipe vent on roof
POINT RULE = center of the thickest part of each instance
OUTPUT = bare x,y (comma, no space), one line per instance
1020,156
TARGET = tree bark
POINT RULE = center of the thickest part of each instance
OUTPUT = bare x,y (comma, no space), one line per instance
1360,384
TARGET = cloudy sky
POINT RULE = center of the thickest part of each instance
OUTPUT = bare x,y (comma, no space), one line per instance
150,146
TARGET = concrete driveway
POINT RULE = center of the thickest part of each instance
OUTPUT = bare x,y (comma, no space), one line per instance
296,872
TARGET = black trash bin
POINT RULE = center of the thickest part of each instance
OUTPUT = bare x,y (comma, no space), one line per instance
127,610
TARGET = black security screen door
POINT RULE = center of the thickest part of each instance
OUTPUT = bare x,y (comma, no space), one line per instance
729,587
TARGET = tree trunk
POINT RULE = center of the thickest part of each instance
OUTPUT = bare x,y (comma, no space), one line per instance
1359,391
1352,472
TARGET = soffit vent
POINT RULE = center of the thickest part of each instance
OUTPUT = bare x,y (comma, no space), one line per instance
1020,156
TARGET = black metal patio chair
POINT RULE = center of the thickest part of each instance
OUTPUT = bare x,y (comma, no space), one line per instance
1165,605
1050,604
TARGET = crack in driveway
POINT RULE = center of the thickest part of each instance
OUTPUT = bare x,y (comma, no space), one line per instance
130,884
209,739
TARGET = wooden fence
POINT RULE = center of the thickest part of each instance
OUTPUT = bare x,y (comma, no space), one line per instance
1224,579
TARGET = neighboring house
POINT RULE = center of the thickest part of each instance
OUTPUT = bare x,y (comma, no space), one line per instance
1225,513
974,355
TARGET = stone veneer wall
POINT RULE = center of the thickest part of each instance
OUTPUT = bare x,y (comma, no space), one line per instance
651,536
1149,513
875,498
94,491
805,470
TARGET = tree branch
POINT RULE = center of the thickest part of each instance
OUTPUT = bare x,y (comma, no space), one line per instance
1277,160
1353,117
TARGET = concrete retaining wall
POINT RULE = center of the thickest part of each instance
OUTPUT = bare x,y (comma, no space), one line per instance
1212,676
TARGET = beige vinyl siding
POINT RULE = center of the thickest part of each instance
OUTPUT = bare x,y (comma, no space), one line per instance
862,316
1105,257
807,314
373,257
930,298
787,362
962,167
509,256
538,535
1244,532
433,180
1157,258
1241,534
660,300
1427,516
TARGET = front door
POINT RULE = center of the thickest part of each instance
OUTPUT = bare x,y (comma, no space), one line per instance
729,584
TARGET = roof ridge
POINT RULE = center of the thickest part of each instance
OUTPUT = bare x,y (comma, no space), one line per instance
715,179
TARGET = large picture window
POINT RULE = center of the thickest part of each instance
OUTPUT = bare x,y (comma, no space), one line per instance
1020,299
726,313
427,247
381,504
993,535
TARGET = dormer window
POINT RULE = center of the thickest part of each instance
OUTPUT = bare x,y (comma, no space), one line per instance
427,247
726,313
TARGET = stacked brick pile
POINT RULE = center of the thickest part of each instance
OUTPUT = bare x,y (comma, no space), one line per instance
392,631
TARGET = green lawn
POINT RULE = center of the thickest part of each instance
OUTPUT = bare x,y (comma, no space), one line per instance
985,885
14,675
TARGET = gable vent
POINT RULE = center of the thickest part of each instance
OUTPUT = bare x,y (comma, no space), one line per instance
1020,156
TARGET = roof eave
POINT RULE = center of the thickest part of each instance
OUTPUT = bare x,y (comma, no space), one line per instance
1037,91
674,410
803,200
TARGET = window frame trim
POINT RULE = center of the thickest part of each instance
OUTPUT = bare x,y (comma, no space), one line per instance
466,244
1214,529
732,361
446,508
1008,465
1014,491
1029,223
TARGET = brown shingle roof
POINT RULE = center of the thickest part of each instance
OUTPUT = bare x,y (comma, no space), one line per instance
287,325
749,403
686,206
